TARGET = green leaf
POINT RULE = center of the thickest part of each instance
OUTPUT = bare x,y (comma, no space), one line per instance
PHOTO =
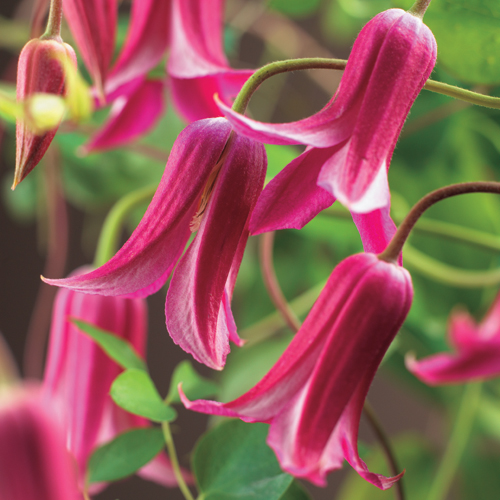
295,492
115,347
233,461
134,391
124,455
193,385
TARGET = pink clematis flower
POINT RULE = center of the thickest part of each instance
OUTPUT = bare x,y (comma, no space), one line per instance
352,138
197,65
79,375
314,394
93,25
211,183
34,463
477,351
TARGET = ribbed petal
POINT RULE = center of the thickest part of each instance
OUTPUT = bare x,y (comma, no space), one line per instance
147,40
34,463
196,300
130,117
145,261
93,25
293,198
197,65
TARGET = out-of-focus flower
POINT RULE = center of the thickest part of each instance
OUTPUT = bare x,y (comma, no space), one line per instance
211,183
93,25
197,65
353,137
314,394
477,351
39,71
79,374
34,463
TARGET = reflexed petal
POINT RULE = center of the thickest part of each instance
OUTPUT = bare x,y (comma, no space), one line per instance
196,319
143,264
130,117
293,197
147,40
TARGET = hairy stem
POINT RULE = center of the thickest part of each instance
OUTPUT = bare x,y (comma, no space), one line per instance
419,7
394,248
54,23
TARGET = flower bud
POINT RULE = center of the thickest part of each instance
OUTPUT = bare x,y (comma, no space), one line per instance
38,71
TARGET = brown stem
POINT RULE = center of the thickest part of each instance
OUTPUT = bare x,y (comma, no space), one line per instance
55,19
54,266
386,447
419,7
391,253
271,282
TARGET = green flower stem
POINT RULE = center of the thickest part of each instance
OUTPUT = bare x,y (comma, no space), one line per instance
419,7
54,22
275,68
448,275
395,246
386,446
175,462
110,232
458,441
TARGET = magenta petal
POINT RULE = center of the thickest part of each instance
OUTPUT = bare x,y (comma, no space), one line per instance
143,264
376,230
147,40
293,197
194,97
130,117
93,25
196,319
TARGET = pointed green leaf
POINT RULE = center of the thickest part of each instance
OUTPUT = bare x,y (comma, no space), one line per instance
124,455
233,462
115,347
194,386
134,391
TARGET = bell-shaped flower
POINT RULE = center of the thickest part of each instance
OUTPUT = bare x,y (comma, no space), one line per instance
132,114
197,65
93,25
34,463
353,137
39,70
211,183
314,394
147,40
477,351
78,374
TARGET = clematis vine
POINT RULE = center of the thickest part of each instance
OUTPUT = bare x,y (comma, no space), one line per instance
34,463
477,351
211,183
351,140
197,65
78,376
314,394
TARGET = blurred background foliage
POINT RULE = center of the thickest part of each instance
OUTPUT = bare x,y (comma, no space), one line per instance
444,141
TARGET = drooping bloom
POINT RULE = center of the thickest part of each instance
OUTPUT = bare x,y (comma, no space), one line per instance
197,65
352,138
38,70
34,463
477,351
211,183
314,394
79,375
93,25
